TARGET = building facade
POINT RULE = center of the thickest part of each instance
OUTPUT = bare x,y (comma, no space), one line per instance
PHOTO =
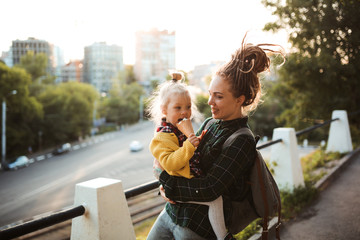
21,47
72,72
7,58
201,72
101,65
59,62
155,55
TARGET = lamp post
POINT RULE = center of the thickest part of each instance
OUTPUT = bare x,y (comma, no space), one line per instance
3,136
141,108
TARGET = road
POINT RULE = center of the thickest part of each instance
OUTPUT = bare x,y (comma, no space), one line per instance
49,185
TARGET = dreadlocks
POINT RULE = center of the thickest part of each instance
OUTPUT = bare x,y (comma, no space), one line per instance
243,68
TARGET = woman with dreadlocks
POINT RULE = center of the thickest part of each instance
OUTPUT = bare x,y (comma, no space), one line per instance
235,91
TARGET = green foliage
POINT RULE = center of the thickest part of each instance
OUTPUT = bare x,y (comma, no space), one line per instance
143,229
317,160
202,105
107,128
320,74
154,83
126,76
34,64
23,111
293,201
68,111
263,119
250,230
130,75
43,114
122,105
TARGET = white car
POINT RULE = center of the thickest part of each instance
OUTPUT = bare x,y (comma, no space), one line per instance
22,161
135,146
66,147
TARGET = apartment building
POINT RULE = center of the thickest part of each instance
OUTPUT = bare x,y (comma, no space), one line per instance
72,71
155,55
101,65
21,47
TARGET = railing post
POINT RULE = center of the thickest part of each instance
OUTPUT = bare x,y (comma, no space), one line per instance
107,215
339,135
288,170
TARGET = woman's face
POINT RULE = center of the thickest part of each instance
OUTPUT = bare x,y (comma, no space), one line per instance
223,104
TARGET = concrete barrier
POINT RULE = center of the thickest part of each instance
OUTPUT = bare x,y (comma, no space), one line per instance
339,135
285,159
107,215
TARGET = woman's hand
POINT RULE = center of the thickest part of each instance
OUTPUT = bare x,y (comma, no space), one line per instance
162,192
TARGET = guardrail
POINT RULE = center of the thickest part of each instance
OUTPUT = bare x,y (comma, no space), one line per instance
66,214
82,210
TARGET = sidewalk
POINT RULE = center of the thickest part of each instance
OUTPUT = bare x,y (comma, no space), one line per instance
335,214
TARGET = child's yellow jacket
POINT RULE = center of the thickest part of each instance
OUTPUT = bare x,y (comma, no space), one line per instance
174,159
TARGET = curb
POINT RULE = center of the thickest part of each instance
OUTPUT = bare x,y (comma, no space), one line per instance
325,180
320,185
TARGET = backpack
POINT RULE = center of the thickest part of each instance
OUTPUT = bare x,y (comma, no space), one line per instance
264,200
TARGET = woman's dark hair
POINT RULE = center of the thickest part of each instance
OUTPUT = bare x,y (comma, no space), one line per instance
243,69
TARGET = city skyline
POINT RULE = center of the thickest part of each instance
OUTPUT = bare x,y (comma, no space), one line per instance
206,31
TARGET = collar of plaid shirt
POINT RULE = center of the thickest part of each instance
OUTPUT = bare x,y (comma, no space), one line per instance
169,128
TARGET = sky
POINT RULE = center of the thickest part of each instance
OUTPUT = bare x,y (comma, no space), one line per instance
206,30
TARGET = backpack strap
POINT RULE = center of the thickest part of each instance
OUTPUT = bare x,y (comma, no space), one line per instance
247,131
264,236
210,121
263,195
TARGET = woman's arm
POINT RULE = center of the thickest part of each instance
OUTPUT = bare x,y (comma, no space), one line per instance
234,160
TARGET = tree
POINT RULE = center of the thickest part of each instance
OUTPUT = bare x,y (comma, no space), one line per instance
320,74
68,109
202,105
122,105
129,74
36,65
24,112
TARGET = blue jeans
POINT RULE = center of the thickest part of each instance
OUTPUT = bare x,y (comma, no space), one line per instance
165,229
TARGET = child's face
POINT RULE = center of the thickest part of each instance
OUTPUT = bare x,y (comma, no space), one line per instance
179,107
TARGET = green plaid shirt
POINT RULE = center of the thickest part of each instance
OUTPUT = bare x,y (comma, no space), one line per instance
227,170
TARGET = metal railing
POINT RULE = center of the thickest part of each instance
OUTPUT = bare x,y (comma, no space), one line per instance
62,216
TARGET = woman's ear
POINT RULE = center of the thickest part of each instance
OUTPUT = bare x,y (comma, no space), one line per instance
240,100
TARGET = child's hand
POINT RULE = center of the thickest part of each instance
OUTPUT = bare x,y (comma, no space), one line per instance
202,134
194,140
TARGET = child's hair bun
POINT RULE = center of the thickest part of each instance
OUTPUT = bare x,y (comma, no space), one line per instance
176,76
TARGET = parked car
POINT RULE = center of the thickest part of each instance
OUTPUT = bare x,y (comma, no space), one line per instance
22,161
66,147
135,146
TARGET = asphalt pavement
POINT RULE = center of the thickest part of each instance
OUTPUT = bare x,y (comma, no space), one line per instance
335,214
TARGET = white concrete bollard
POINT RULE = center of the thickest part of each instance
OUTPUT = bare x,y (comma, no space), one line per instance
339,135
288,170
107,215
